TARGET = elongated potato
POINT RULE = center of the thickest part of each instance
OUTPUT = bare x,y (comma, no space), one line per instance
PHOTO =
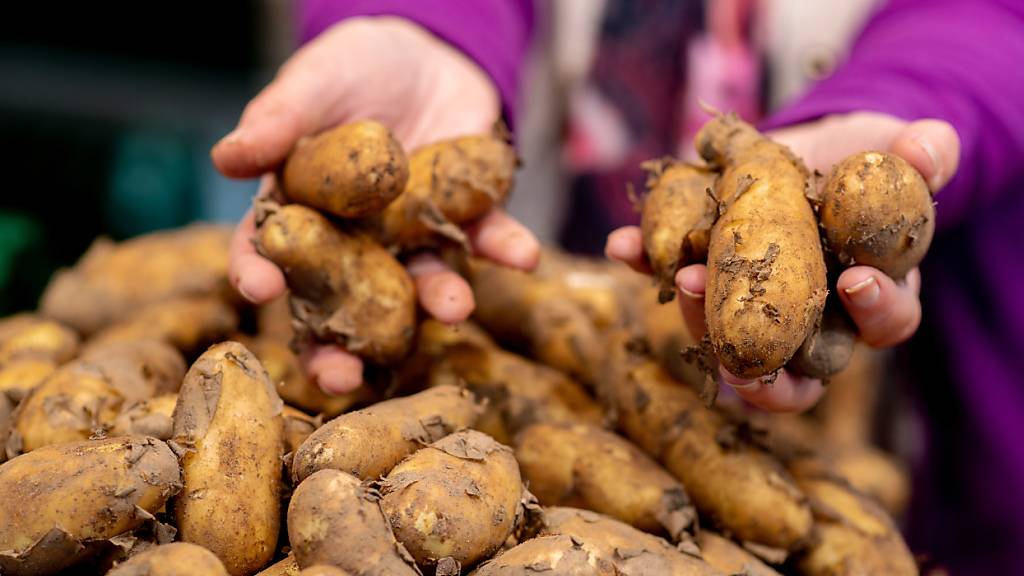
175,559
62,500
189,323
296,388
228,417
6,424
153,417
451,183
139,370
587,467
631,551
829,347
285,567
31,337
729,557
766,283
369,442
345,288
678,212
555,554
335,519
22,376
351,171
458,498
297,427
112,280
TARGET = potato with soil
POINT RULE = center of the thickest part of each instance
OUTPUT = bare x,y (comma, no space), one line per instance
153,417
324,570
19,378
335,519
555,554
174,559
729,557
351,171
189,323
29,337
766,282
369,442
228,418
345,287
675,221
141,369
586,467
297,427
285,567
6,425
458,498
61,491
112,280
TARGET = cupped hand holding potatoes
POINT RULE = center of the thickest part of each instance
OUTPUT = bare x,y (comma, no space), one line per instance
392,71
885,311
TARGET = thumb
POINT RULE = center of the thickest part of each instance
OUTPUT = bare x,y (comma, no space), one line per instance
932,147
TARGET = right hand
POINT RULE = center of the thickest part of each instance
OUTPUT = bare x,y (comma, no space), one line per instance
397,73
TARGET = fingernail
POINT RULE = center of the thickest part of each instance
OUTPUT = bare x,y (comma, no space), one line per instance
690,295
231,137
245,292
933,157
740,384
864,293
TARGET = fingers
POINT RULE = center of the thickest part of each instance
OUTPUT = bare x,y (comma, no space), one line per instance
626,244
932,147
788,392
502,239
886,312
334,370
690,284
443,294
257,279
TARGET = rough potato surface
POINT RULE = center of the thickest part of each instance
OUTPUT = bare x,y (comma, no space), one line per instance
174,559
555,554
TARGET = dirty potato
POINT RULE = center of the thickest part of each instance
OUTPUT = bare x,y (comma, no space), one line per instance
174,559
153,417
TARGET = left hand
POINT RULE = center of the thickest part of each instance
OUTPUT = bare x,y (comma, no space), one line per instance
885,311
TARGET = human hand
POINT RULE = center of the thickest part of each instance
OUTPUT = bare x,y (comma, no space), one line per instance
886,312
395,72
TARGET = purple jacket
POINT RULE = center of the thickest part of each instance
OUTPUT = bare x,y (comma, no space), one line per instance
958,60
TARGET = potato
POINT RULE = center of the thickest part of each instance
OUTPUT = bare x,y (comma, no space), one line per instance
345,288
829,346
6,423
175,559
112,280
766,282
848,410
556,554
31,337
285,567
64,500
630,551
334,519
729,557
587,467
678,211
564,337
228,417
297,427
351,171
324,570
369,442
189,323
518,392
20,377
139,370
876,210
733,483
451,183
876,475
153,417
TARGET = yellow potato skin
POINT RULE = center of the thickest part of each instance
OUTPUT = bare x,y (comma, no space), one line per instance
297,427
368,443
285,567
174,559
324,570
79,491
334,519
729,557
153,417
457,498
189,323
351,171
228,416
345,288
766,282
31,337
22,376
139,369
554,554
6,422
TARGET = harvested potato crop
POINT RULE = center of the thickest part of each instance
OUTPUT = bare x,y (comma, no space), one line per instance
6,423
829,346
876,210
139,370
875,474
458,498
61,491
555,554
451,183
729,557
324,570
345,287
518,392
33,338
678,212
335,519
766,282
174,559
369,442
632,552
153,417
285,567
351,171
586,467
20,377
228,418
190,324
112,280
297,427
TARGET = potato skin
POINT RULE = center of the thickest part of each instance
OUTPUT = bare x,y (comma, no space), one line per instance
6,424
458,498
587,467
829,347
27,336
556,554
324,570
368,443
876,210
285,567
729,557
174,559
675,221
22,376
297,427
228,416
351,171
153,417
345,288
189,323
766,282
140,369
334,519
63,490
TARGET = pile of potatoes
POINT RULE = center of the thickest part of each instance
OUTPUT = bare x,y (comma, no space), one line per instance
152,423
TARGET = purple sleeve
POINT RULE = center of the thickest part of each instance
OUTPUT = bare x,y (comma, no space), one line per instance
494,33
956,60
